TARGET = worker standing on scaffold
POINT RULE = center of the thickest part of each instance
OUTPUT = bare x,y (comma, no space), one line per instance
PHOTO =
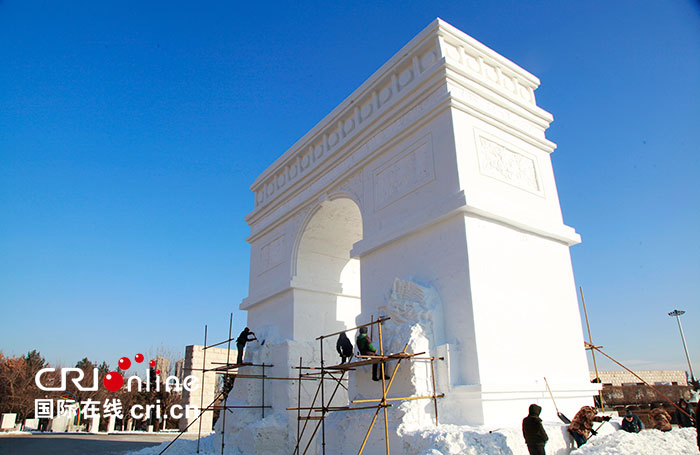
242,339
364,345
344,347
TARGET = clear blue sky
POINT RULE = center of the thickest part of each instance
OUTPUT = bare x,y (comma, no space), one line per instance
130,132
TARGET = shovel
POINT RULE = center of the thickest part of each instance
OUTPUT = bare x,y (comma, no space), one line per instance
596,430
561,416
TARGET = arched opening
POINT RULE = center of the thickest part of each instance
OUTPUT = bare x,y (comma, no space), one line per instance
327,278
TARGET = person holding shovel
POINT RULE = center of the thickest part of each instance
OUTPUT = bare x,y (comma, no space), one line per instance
581,427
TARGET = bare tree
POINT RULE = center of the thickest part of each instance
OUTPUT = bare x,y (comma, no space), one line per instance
17,387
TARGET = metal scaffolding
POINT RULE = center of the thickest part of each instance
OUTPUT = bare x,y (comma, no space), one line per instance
230,372
337,374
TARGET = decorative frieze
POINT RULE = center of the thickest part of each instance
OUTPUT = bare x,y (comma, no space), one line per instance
410,170
509,166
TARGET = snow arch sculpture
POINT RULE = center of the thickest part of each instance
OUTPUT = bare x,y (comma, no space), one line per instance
436,169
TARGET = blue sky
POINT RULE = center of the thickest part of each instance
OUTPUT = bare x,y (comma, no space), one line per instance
131,131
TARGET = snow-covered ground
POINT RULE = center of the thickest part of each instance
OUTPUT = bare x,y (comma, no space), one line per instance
451,439
648,442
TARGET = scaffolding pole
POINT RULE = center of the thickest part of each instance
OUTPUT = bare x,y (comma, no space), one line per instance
324,373
590,340
321,374
226,392
201,394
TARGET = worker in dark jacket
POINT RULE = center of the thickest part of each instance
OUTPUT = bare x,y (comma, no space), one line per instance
344,347
243,338
697,423
684,419
631,423
533,431
364,345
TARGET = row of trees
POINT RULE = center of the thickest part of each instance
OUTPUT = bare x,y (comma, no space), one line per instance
18,389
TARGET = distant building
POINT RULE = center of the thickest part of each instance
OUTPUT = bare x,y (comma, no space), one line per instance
653,377
209,382
163,365
180,370
622,389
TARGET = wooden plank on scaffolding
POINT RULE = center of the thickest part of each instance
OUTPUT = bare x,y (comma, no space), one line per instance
426,397
378,321
372,359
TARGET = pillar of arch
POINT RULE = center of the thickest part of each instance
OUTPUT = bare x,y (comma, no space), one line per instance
435,170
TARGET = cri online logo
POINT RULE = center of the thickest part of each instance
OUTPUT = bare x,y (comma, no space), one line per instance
114,381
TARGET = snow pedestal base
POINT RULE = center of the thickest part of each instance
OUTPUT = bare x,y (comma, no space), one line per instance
505,404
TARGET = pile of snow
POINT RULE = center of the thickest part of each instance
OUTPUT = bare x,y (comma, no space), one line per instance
182,447
463,440
648,442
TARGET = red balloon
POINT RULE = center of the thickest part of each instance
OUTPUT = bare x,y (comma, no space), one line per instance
113,381
152,363
157,371
138,358
124,363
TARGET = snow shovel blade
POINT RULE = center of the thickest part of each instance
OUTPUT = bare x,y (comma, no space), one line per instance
563,418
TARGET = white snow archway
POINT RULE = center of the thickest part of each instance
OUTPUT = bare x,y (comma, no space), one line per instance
325,275
435,171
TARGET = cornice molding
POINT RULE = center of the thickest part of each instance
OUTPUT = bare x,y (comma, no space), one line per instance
438,46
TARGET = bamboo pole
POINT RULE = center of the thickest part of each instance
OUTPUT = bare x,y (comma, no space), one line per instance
323,403
299,404
590,340
201,393
424,397
229,407
262,399
369,431
201,412
303,429
322,418
228,358
378,321
432,374
588,327
386,419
